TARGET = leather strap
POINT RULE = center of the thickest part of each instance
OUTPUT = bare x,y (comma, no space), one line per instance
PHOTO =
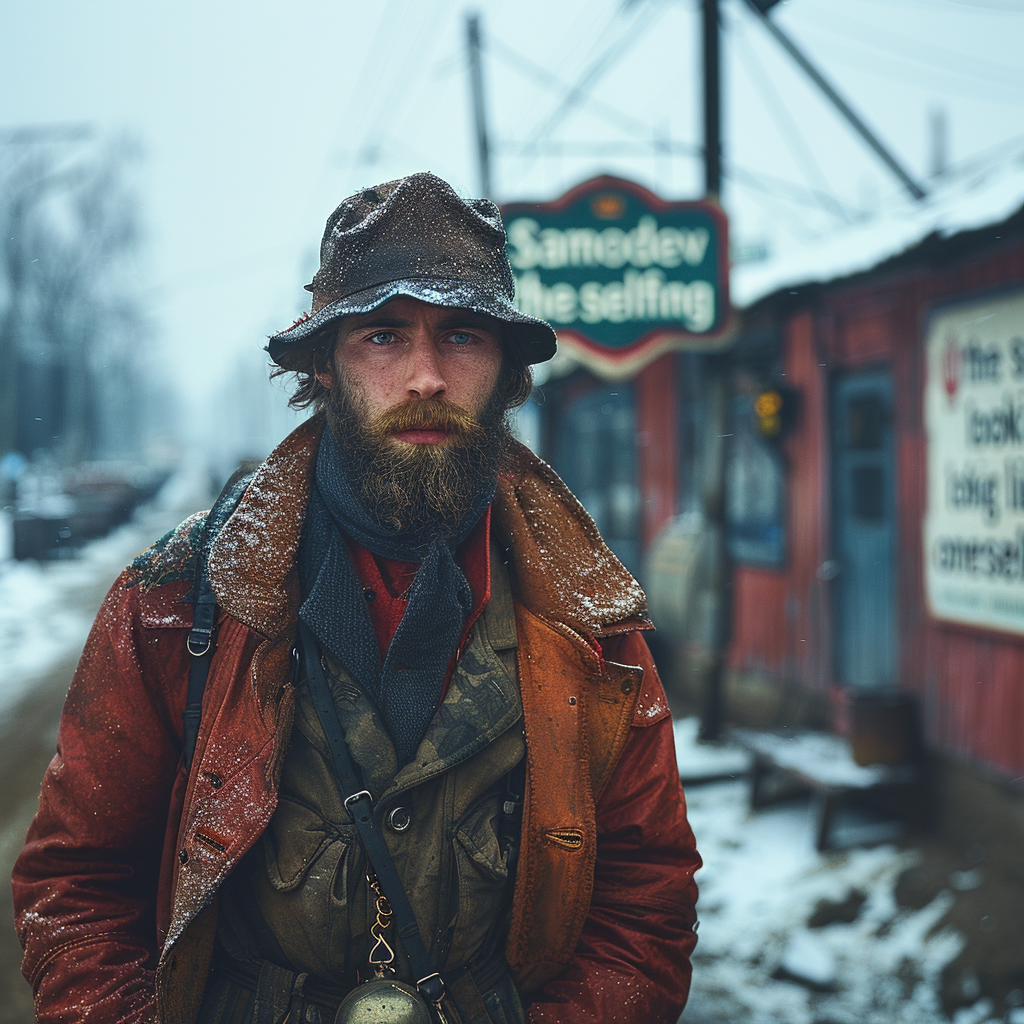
359,803
200,640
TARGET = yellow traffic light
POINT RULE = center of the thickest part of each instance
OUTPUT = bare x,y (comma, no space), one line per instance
768,413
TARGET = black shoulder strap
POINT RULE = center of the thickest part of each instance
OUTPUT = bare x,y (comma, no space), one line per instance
204,615
359,803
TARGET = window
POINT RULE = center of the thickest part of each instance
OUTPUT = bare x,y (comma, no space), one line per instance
595,453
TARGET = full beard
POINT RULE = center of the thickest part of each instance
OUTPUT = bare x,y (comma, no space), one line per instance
419,490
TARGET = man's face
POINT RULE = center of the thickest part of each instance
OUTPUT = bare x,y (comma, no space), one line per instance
415,405
408,351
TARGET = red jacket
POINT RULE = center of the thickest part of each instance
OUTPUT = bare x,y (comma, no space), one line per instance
115,891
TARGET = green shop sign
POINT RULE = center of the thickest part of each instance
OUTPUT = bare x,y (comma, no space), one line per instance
621,274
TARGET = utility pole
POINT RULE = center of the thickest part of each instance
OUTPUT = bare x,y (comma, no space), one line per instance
714,451
476,81
712,99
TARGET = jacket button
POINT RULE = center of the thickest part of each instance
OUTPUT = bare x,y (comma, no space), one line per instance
400,819
183,855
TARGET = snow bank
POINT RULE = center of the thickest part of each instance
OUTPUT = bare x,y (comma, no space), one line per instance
43,614
46,608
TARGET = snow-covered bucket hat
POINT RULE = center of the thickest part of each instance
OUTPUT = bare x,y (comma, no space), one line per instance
416,237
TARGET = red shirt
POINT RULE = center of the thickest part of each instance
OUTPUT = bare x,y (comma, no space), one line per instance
386,583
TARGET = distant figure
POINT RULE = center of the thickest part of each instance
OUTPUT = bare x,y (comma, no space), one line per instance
378,738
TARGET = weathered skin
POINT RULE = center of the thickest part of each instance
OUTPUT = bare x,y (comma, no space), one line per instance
116,889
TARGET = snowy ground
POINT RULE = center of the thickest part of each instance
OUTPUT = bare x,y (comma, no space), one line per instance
791,936
41,618
787,935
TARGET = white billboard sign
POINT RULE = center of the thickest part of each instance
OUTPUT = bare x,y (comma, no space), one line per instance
974,419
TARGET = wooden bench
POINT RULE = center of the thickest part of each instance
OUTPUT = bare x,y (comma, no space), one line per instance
822,763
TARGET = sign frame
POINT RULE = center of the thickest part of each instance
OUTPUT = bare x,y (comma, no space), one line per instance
938,319
623,361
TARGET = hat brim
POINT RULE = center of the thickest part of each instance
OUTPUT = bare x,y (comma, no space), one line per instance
535,338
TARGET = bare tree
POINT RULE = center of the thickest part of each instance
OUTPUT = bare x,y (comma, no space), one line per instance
70,313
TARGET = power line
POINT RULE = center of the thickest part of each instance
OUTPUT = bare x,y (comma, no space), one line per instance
980,6
947,61
541,76
885,66
789,130
759,180
622,147
599,67
403,77
756,180
386,30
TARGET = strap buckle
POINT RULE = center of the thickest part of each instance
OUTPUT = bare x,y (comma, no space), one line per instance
197,636
349,800
433,991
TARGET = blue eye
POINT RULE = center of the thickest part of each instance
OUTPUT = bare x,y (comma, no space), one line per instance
382,338
460,338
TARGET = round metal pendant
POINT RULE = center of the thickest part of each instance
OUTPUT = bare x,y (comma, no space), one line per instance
383,1001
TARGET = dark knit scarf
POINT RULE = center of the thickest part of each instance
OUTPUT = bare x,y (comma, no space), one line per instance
407,687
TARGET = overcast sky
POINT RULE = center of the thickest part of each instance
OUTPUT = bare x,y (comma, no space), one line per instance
255,119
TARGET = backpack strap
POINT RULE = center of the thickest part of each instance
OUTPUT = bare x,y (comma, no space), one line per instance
200,642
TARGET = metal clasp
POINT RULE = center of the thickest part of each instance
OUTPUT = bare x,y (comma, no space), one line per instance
432,989
198,635
355,796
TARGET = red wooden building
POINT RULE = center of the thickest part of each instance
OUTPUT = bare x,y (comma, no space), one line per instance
880,543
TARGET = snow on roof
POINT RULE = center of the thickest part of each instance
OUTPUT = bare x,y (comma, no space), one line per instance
970,200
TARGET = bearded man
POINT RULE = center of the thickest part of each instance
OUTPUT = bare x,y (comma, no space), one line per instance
378,738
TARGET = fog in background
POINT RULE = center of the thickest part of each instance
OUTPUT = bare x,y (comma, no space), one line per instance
230,130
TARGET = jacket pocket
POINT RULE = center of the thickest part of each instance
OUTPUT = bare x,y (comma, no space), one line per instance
477,835
294,840
481,878
305,895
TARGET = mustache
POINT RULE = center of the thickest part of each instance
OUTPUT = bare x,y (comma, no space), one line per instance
427,413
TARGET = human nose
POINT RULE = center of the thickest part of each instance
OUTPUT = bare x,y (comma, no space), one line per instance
425,379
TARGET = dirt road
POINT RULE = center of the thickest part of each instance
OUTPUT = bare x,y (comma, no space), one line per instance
27,739
28,733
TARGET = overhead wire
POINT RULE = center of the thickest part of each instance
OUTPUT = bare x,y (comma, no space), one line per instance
788,128
541,76
403,76
846,49
902,47
757,180
885,67
380,56
592,74
581,43
988,6
578,94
